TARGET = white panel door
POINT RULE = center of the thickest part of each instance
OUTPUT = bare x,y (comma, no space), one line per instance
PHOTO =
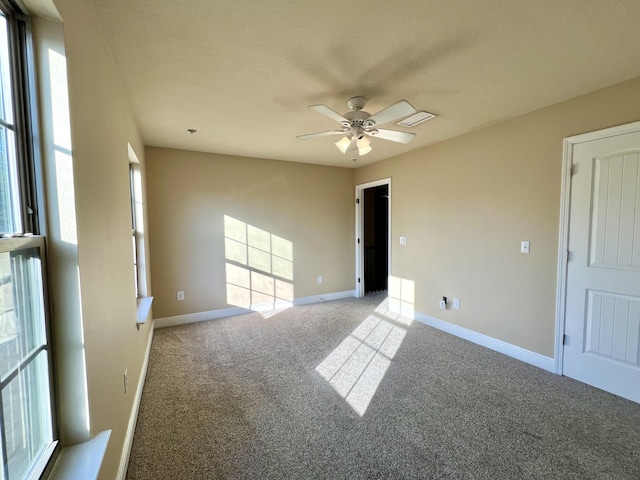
602,323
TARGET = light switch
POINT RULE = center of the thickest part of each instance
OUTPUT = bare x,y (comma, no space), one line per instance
524,246
403,240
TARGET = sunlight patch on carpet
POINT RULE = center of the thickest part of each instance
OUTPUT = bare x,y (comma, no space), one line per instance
358,365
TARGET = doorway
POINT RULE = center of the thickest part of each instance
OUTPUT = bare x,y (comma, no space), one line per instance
373,234
599,334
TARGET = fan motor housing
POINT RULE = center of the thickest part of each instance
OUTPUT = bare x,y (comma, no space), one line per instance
359,123
357,117
357,103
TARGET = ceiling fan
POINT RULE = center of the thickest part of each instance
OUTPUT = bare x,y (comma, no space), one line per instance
357,125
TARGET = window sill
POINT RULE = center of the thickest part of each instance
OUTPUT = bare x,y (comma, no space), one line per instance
83,460
144,307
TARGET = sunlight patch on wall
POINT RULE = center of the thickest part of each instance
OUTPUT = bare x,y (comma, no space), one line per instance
66,198
399,305
358,365
259,268
66,203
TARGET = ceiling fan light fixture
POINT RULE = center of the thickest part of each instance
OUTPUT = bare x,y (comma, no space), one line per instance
358,126
364,150
363,141
344,143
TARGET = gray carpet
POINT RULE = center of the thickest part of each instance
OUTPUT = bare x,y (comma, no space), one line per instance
240,398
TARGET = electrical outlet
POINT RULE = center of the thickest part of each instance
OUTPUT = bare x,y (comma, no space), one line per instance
524,246
443,303
319,278
180,295
126,380
456,303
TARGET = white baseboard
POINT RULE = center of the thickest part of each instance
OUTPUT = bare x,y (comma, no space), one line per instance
325,297
199,317
527,356
230,312
133,418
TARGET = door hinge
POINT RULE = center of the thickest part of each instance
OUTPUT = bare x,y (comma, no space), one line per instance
358,241
565,339
358,279
573,169
357,200
569,255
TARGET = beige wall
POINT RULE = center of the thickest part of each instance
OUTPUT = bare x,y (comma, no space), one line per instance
60,231
189,194
465,205
101,129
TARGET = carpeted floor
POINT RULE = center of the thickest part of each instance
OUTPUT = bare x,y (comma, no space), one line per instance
240,398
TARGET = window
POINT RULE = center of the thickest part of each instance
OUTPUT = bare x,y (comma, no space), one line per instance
134,229
137,239
25,410
10,216
27,429
17,197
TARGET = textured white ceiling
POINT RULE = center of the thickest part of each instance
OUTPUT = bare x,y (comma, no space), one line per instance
242,72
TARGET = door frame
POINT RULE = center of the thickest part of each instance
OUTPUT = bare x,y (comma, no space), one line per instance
565,207
360,228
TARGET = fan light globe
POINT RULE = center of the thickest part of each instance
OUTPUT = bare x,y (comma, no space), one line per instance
344,143
363,141
365,150
363,144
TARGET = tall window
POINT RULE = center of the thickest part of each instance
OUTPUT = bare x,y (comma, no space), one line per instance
27,433
134,227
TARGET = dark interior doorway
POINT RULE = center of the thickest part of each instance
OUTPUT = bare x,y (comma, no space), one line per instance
376,238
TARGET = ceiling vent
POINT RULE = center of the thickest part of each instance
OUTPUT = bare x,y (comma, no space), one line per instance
414,120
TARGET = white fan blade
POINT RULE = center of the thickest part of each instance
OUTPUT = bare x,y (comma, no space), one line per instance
320,134
327,112
392,113
393,135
